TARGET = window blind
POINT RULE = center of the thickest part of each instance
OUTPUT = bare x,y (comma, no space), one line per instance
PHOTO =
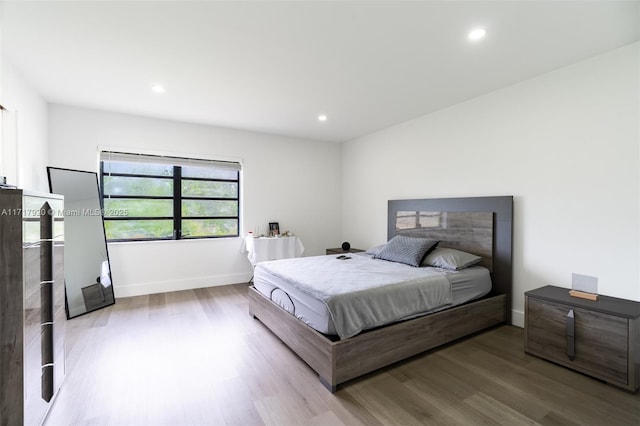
169,160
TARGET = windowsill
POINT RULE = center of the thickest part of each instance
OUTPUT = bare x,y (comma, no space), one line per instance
187,240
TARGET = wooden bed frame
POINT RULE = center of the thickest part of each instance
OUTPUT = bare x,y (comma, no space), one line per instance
337,361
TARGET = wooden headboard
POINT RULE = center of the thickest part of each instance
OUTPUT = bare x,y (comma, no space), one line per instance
467,231
478,225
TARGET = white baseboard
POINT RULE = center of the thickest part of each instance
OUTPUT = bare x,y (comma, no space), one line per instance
517,318
142,289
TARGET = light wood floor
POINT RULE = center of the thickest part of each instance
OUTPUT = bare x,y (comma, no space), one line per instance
196,358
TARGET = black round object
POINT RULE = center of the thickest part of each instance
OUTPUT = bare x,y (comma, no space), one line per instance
346,246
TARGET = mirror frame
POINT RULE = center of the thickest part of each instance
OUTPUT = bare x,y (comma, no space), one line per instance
104,235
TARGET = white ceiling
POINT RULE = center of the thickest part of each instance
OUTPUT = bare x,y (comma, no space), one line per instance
274,66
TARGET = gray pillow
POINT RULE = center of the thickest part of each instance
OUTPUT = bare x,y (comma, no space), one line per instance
376,250
448,258
409,250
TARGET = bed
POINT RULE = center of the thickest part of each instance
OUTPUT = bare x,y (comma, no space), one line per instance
478,225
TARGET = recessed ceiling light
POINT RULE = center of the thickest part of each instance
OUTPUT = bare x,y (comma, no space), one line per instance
477,34
322,117
158,88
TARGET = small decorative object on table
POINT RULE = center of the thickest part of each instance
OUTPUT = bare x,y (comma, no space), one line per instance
583,295
584,287
3,183
346,246
274,229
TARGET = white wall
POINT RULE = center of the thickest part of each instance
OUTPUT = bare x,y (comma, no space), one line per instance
24,127
565,145
295,182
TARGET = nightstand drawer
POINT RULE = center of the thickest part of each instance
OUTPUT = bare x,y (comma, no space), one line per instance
600,340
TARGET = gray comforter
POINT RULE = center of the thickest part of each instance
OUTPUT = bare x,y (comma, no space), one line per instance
362,292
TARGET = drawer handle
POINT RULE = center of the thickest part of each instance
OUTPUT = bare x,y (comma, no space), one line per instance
571,344
46,297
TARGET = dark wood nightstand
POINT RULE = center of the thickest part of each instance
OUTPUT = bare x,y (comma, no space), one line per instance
338,250
600,338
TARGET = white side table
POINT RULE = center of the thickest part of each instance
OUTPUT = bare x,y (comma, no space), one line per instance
271,248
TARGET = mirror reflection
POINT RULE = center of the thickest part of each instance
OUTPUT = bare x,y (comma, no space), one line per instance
87,271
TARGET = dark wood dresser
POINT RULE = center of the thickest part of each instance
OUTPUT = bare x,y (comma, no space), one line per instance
600,338
32,314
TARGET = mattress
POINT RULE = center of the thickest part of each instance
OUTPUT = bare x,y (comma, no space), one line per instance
466,285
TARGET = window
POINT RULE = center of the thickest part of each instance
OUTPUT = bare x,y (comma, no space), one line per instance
149,197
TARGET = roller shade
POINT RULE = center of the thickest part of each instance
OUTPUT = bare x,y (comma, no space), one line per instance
167,160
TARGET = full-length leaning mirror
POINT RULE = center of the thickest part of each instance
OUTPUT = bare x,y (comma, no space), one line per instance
87,272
